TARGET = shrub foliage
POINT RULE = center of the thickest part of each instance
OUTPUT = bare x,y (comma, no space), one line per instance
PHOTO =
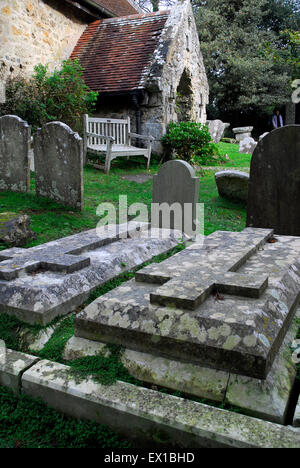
190,142
61,95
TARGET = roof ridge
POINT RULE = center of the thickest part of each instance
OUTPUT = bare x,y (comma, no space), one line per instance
137,16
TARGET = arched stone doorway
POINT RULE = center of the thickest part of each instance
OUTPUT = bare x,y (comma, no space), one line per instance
184,97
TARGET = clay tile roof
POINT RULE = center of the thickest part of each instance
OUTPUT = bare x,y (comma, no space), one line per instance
119,7
116,52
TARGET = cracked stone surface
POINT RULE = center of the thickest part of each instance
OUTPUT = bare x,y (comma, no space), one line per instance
12,365
43,282
181,422
229,332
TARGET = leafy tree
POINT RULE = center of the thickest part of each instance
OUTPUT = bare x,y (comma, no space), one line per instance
61,95
244,79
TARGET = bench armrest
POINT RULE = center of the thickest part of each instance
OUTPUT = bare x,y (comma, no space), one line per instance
105,137
142,137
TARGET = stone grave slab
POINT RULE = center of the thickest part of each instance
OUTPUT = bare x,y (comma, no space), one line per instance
43,282
296,421
14,160
274,185
205,305
58,161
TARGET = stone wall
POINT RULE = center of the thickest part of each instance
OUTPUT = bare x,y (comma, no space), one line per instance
35,31
177,87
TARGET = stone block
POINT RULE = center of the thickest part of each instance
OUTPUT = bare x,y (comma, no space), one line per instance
14,161
232,184
12,366
274,186
242,132
206,305
58,162
247,145
147,415
77,348
43,282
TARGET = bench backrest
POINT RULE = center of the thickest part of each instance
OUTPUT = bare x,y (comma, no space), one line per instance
117,128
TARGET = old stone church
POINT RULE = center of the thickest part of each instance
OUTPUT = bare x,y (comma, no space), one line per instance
145,65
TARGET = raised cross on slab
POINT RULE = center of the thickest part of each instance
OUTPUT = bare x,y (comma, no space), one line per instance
187,282
63,255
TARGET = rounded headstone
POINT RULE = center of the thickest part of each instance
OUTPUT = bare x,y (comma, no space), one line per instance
274,186
232,185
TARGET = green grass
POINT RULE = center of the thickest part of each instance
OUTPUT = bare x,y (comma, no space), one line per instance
51,220
29,423
236,159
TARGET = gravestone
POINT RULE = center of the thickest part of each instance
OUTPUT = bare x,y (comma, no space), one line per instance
14,161
242,132
226,304
247,145
175,185
274,186
216,129
43,282
58,161
263,135
232,184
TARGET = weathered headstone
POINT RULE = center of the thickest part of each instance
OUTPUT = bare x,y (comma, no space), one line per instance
216,129
247,145
242,132
14,161
177,186
274,186
58,161
232,184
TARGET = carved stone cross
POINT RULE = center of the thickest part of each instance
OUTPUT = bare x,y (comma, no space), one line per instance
63,255
188,283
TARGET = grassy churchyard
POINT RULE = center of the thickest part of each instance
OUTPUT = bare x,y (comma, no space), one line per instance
21,424
51,221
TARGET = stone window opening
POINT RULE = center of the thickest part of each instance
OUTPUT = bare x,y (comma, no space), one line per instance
184,97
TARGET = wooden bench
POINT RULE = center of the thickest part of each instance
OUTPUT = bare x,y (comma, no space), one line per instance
113,137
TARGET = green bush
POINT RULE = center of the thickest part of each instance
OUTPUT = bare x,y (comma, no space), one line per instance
190,142
61,95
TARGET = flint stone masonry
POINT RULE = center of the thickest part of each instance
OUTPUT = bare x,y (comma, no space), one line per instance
12,366
14,161
242,132
175,183
162,311
33,32
232,184
247,145
58,161
274,186
180,422
43,282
